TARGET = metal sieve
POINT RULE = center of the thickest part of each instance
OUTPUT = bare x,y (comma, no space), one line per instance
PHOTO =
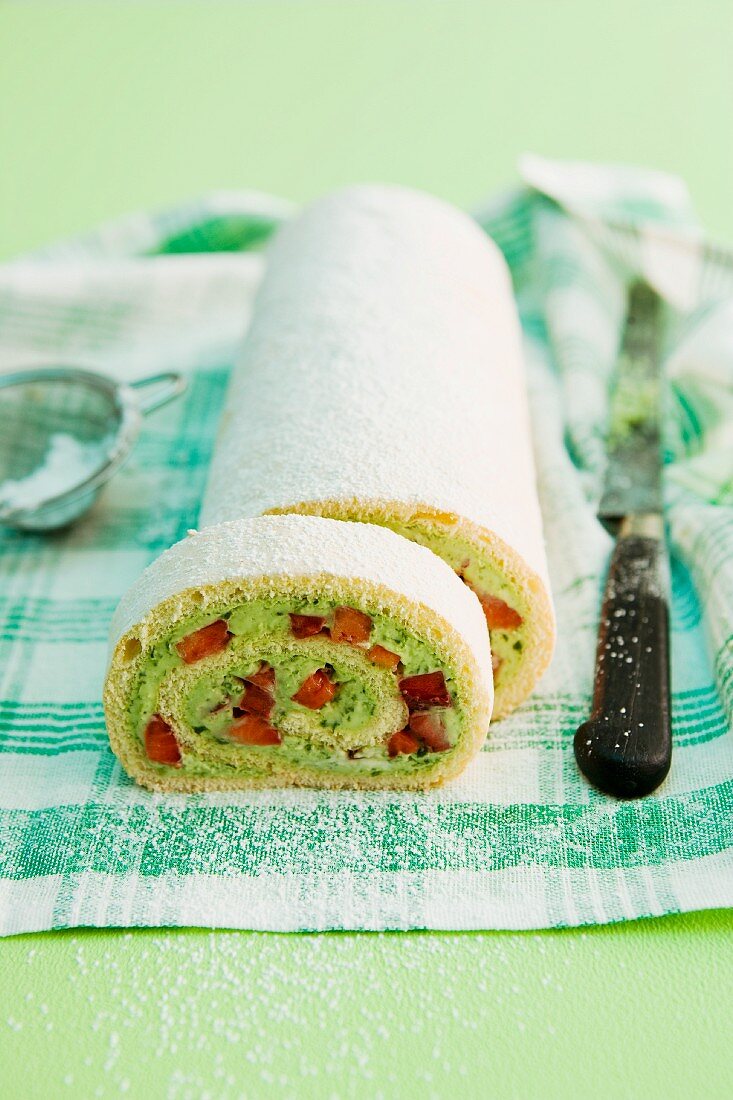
63,433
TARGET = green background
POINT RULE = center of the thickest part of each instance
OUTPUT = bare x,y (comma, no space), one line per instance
106,108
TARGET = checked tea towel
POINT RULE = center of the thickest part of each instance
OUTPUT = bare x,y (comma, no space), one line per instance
519,841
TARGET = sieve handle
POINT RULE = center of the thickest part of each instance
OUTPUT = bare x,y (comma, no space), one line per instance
163,388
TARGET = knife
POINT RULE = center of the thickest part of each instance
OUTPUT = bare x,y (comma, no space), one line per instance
625,747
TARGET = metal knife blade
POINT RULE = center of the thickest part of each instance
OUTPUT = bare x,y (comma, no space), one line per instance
633,482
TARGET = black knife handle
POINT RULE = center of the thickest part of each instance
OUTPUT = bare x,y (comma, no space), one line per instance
625,747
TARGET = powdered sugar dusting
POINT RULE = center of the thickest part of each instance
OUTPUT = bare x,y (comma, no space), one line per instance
383,363
221,1015
67,463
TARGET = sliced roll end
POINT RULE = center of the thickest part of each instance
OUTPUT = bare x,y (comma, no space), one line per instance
298,651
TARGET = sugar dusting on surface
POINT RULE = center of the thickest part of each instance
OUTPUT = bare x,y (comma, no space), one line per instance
219,1015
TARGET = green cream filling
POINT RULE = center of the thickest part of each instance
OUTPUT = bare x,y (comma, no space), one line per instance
348,734
483,576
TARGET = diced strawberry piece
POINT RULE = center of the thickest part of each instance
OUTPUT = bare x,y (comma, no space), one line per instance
251,729
424,691
264,677
160,742
305,626
316,690
499,615
351,626
385,658
430,729
202,643
403,743
256,700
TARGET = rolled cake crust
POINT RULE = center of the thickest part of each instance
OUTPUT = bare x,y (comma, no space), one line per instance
382,376
293,555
